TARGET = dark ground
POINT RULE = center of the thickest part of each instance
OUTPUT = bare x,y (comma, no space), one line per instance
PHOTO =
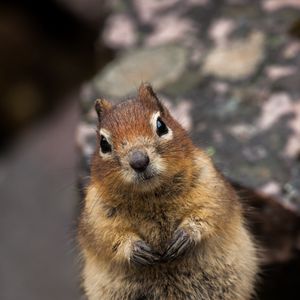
37,211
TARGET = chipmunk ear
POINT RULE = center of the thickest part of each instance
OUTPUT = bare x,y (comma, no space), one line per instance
101,107
147,95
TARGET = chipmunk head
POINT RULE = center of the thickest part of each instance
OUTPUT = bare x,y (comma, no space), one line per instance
139,143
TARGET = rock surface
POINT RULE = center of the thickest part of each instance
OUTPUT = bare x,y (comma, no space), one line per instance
240,82
160,66
236,60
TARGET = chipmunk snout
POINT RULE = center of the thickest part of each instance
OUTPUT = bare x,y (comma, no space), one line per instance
138,160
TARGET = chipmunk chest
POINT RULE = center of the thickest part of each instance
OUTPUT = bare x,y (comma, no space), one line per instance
156,225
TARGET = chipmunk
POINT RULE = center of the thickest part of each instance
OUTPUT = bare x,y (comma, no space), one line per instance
159,222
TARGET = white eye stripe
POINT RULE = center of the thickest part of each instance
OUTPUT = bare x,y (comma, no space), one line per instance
106,134
153,122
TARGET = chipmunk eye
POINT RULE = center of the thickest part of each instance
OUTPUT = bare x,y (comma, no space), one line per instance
161,127
104,144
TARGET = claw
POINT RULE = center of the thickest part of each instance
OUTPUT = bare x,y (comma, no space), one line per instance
179,245
142,254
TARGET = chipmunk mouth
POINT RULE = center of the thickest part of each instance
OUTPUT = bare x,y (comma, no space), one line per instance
145,176
143,181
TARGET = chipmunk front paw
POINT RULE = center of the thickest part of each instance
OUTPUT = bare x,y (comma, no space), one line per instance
143,255
181,243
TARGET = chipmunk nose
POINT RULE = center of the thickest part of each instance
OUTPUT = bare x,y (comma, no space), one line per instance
138,161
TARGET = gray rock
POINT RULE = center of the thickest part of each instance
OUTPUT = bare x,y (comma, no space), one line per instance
160,66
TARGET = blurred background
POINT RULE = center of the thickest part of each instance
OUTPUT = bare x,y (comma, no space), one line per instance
227,69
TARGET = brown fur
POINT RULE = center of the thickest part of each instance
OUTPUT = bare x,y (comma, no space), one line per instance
190,194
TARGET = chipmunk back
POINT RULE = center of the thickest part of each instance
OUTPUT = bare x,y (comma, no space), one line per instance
159,222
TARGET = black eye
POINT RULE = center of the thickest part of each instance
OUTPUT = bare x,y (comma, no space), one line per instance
104,144
161,127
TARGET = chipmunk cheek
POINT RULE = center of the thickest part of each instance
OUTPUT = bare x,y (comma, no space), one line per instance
158,164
